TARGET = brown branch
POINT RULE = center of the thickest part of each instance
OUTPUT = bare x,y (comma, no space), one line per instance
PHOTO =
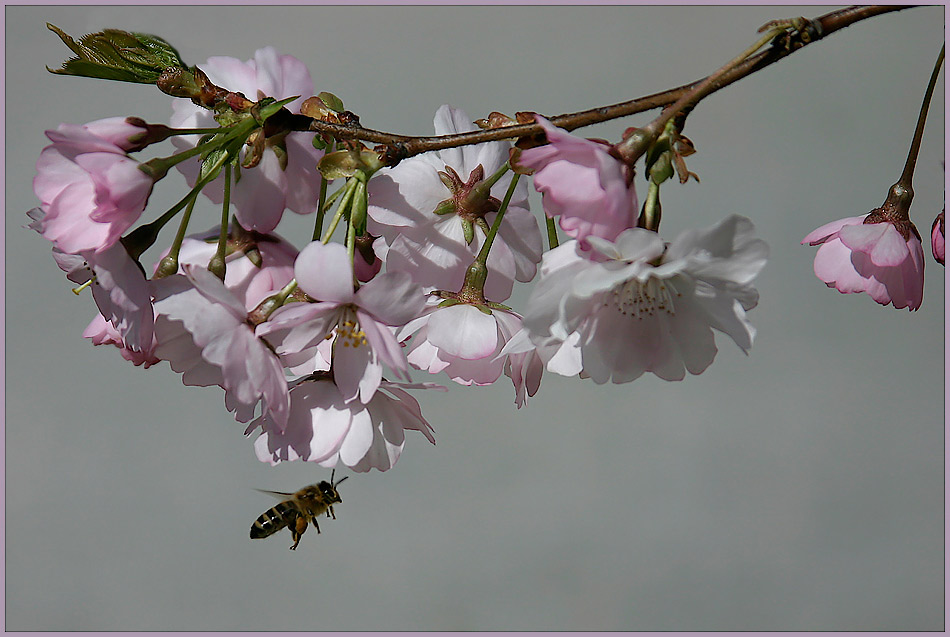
394,148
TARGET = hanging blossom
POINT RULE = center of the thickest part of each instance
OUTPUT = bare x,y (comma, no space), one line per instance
433,248
884,259
361,322
649,307
202,330
589,190
118,287
937,239
249,280
102,332
90,190
286,176
326,428
461,340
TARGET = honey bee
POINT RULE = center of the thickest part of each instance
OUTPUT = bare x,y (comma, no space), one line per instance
297,509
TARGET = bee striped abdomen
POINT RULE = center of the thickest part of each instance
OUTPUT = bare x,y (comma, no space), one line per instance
274,519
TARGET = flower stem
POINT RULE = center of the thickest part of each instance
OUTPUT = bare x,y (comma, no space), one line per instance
483,253
908,175
217,265
552,233
348,189
169,264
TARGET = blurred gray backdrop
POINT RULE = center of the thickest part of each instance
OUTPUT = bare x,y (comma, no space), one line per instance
798,488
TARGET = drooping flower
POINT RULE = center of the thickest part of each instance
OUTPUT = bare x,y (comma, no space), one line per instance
434,247
287,175
249,279
326,428
461,340
937,239
883,259
581,183
118,285
102,332
201,329
649,307
90,190
361,321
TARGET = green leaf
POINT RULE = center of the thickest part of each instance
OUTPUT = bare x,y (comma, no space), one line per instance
118,55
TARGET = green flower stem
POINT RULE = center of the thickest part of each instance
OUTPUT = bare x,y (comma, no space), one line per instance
159,166
485,185
143,237
340,209
217,264
483,253
169,264
552,233
650,219
321,211
358,192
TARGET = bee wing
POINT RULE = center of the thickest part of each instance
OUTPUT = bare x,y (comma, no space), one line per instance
277,494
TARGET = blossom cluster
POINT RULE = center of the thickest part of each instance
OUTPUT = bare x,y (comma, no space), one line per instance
313,343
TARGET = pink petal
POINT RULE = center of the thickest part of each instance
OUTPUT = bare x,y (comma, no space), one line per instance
324,272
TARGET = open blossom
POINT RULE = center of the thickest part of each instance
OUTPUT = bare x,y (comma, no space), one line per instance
460,340
118,285
362,320
326,428
202,331
90,190
433,247
580,182
649,307
877,258
287,175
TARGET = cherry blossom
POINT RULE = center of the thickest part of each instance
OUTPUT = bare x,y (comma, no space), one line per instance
649,307
250,281
287,175
90,190
880,259
580,182
433,248
118,285
360,320
202,331
462,340
102,332
937,239
326,428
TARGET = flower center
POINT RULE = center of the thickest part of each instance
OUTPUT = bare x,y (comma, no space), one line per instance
640,300
349,334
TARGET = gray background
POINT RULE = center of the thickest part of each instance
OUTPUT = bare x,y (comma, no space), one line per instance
798,488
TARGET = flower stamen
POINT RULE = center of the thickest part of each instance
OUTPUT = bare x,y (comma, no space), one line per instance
640,299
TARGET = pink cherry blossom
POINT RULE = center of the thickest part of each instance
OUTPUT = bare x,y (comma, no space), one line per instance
937,240
870,257
649,307
102,332
326,428
362,320
432,248
202,331
118,285
246,280
461,340
580,182
263,192
90,190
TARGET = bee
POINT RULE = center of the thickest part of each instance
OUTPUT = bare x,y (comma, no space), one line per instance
297,509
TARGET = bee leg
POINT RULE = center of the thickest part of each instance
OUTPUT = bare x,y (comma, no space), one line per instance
330,512
315,525
297,531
